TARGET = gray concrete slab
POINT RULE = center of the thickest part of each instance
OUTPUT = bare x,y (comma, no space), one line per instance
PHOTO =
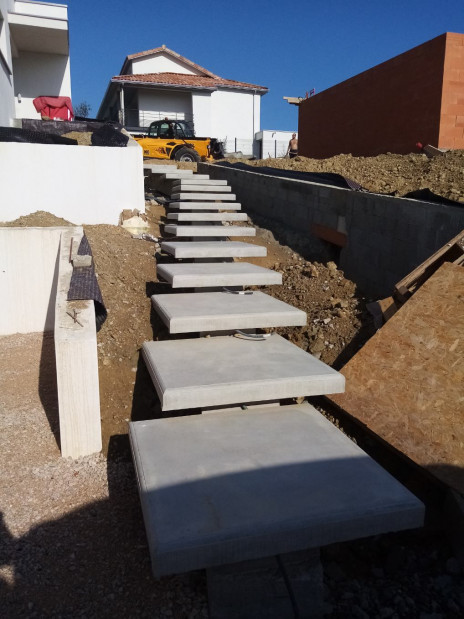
203,206
223,370
212,249
223,311
211,274
164,169
184,195
198,179
185,174
181,186
219,489
216,231
207,216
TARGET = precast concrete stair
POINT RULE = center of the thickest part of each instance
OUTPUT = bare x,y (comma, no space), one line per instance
212,249
214,274
184,186
203,196
222,370
207,216
197,179
165,169
181,175
230,487
211,230
222,311
204,206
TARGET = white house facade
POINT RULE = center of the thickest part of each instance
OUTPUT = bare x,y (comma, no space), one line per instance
160,83
34,56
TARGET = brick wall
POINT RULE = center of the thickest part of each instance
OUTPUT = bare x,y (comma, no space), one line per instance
452,106
387,108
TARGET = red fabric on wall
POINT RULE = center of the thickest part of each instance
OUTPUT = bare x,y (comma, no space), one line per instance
55,108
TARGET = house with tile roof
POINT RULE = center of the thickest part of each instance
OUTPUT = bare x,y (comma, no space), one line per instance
161,83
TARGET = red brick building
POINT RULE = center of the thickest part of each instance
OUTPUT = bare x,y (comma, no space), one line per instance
417,96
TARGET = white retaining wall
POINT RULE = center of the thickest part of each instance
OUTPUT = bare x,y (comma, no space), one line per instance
28,279
82,184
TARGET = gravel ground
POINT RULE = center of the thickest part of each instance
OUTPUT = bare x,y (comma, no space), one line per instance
73,541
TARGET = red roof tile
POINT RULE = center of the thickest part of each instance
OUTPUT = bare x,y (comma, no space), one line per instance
182,79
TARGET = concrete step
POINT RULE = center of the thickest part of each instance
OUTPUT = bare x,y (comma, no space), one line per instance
223,370
185,186
164,169
182,174
204,206
211,274
212,249
197,179
208,216
231,487
185,195
222,311
213,230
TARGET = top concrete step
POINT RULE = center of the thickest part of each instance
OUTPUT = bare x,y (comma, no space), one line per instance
203,196
163,169
223,311
212,249
205,206
223,370
258,483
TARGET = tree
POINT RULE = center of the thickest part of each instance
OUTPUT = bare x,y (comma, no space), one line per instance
82,109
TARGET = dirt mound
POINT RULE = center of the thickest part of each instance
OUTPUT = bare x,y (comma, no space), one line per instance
39,219
390,173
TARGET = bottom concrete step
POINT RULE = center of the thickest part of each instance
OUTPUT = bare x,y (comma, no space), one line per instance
223,370
230,487
222,311
212,249
211,274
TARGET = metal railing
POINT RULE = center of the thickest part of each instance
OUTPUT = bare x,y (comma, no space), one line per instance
141,119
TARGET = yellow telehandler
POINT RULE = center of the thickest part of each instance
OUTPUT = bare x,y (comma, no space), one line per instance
175,139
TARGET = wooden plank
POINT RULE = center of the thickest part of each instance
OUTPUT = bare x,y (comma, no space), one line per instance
407,383
329,234
448,253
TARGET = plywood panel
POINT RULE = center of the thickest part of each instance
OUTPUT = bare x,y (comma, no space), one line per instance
407,383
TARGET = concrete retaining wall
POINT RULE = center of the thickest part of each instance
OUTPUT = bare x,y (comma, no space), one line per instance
28,279
82,184
387,236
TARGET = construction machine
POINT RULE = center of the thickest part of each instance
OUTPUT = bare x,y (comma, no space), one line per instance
175,139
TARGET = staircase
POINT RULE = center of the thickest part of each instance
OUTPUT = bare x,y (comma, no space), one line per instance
259,476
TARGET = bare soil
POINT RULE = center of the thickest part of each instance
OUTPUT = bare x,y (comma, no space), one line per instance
390,173
72,538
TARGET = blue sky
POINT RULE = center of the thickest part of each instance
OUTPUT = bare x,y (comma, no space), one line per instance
290,47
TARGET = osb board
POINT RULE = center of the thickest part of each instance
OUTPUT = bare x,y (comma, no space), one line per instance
407,383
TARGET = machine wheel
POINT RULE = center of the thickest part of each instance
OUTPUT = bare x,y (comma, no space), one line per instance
187,154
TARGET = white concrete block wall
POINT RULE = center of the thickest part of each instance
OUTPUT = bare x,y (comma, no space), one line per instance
6,67
76,364
232,115
28,279
82,184
38,74
201,108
